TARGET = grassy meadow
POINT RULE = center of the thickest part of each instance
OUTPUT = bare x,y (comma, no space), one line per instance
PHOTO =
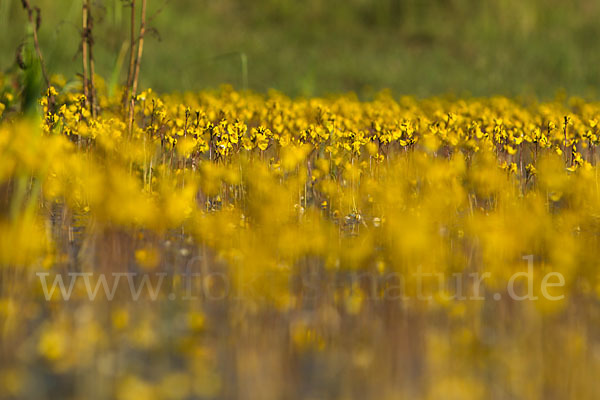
317,47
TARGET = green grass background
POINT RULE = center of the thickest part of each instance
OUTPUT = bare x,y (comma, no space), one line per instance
312,47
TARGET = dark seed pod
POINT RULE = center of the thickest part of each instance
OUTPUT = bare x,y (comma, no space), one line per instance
38,18
19,57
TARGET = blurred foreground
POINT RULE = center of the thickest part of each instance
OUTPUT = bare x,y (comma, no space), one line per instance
235,245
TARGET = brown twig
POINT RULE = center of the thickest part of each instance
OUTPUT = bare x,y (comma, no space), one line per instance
138,61
158,11
90,40
84,47
566,120
36,25
131,57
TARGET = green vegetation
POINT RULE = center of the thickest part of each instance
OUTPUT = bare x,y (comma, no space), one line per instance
311,47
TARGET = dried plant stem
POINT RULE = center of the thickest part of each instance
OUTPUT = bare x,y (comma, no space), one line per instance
131,70
138,61
90,40
565,146
94,100
36,25
85,51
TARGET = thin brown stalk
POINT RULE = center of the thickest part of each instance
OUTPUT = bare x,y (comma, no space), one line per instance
566,120
131,115
36,25
131,57
90,40
94,100
84,48
138,61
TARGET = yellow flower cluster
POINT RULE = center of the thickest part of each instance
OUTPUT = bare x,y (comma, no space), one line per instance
341,248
